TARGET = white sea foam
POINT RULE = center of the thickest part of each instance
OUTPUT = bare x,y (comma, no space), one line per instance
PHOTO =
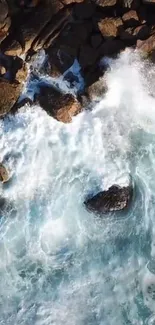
60,264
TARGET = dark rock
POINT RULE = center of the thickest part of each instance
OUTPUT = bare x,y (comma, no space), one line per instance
141,32
60,106
116,198
87,56
4,175
131,19
96,40
84,10
110,27
111,47
60,59
68,2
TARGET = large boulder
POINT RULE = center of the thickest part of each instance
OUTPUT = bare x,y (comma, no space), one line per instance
60,106
116,198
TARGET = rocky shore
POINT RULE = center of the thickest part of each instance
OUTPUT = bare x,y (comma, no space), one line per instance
68,30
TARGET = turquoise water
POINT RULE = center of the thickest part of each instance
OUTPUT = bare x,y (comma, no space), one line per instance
60,264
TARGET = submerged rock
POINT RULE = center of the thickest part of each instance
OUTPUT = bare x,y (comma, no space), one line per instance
4,175
116,198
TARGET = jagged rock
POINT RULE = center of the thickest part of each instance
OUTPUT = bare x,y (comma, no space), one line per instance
60,106
131,19
31,28
146,46
116,198
110,27
84,10
4,175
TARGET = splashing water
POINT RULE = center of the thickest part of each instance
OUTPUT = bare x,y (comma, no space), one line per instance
60,264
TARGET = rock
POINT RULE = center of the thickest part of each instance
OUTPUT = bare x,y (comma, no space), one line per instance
68,2
131,19
96,40
97,89
116,198
141,32
9,93
60,106
4,175
87,56
146,46
2,70
132,4
84,10
5,21
61,59
110,27
105,3
111,47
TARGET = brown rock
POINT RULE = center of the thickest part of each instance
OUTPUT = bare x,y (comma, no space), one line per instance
13,48
2,70
97,89
87,56
105,3
3,12
4,175
60,106
131,19
96,40
84,10
9,93
116,198
110,27
146,46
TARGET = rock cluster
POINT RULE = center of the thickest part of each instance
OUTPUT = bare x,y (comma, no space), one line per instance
67,29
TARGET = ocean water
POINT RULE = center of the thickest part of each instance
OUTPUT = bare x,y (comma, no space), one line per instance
60,264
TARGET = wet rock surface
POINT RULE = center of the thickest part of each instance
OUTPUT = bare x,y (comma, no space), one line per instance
116,198
4,174
60,106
